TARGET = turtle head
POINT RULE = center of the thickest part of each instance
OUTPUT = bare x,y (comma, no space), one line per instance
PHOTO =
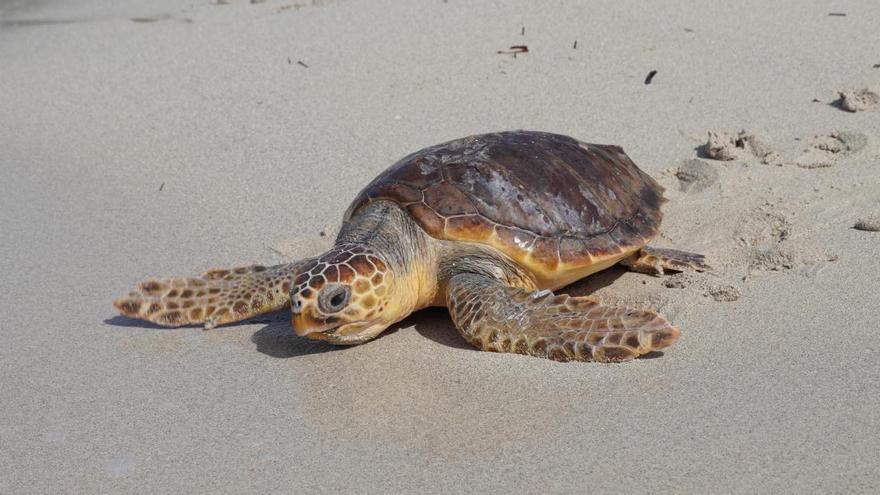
343,297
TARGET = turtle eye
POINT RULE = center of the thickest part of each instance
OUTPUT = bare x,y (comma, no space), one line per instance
334,298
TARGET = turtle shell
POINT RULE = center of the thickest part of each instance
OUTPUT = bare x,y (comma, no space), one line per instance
554,204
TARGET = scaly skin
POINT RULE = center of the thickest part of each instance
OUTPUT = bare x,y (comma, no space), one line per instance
658,261
222,296
359,276
500,318
216,297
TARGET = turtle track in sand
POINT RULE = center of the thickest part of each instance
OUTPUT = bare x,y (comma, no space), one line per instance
750,207
825,150
768,236
822,151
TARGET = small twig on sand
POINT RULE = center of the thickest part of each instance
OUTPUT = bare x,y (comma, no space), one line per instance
650,76
514,50
300,62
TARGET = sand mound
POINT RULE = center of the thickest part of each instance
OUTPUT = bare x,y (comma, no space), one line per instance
870,223
858,100
742,146
823,150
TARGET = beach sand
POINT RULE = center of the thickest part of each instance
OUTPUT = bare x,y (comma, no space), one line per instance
154,139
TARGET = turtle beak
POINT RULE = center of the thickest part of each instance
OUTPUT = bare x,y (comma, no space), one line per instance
306,324
351,333
301,324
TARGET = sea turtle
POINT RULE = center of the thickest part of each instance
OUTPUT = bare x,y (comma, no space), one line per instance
488,226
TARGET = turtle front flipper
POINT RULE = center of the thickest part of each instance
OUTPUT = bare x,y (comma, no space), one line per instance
497,317
213,298
657,261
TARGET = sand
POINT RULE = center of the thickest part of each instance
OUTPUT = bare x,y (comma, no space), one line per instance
859,100
141,138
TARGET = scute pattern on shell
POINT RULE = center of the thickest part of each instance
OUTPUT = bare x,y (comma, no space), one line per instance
546,200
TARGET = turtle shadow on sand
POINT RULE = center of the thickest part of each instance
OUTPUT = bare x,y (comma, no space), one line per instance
435,324
702,151
278,340
589,285
124,321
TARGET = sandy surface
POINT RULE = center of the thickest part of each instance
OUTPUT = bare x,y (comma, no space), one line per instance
147,139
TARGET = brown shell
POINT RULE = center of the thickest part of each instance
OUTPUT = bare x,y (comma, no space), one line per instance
548,201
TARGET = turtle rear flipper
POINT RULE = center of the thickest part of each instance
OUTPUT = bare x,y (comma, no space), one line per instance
496,317
657,261
213,298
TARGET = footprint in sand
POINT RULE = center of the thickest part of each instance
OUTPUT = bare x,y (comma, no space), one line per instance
824,151
763,233
696,175
720,292
766,238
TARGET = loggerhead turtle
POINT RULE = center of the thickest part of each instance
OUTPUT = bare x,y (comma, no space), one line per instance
486,225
